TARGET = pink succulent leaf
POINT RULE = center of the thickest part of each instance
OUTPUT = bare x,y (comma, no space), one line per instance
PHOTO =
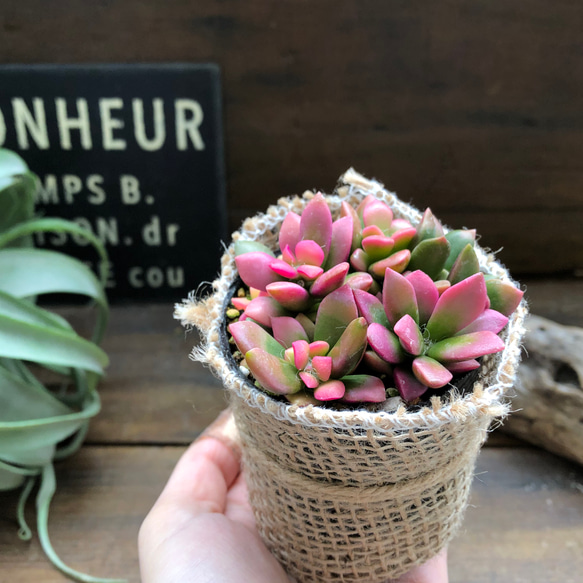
341,244
240,303
441,285
466,347
255,293
288,355
322,366
255,269
363,204
396,262
330,391
377,246
371,308
290,295
457,307
309,379
347,211
371,231
309,252
426,293
307,325
363,388
428,228
462,366
409,335
310,272
359,281
458,239
272,373
336,311
504,297
288,255
359,260
347,353
284,269
263,309
400,225
243,317
329,280
249,335
378,213
373,362
430,372
465,265
301,351
407,384
430,256
316,223
385,343
490,320
319,348
242,247
399,297
289,232
402,238
287,330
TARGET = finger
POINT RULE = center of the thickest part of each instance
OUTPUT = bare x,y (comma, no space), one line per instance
203,475
433,571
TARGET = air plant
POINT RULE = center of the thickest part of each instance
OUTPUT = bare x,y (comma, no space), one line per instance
403,307
39,423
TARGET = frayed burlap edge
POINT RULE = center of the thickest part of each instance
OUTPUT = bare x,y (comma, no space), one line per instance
292,454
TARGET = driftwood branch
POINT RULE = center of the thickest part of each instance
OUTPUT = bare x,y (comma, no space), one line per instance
549,395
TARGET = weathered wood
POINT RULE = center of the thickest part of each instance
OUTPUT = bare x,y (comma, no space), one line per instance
472,108
549,389
524,522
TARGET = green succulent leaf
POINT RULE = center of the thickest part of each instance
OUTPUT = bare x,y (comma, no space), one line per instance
336,311
250,247
465,265
458,239
348,351
430,256
249,335
503,296
272,373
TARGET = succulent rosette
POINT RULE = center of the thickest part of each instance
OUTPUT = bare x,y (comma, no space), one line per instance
311,362
368,291
379,241
429,337
312,264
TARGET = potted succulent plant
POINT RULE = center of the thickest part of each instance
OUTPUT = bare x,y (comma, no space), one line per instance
365,349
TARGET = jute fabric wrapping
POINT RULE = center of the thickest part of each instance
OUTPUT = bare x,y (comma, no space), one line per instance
353,495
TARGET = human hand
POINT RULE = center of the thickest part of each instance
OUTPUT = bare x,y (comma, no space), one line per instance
202,530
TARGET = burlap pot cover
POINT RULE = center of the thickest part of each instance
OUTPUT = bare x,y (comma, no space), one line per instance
353,495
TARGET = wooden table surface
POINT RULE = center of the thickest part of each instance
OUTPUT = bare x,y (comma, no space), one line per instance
524,522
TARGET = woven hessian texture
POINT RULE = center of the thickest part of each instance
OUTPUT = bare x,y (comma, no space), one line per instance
353,495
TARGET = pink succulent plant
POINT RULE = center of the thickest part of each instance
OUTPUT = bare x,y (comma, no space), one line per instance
427,336
318,360
365,293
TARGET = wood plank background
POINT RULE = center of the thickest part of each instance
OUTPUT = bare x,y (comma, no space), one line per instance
473,108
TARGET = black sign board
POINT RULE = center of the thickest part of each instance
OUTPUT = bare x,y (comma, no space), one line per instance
135,153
